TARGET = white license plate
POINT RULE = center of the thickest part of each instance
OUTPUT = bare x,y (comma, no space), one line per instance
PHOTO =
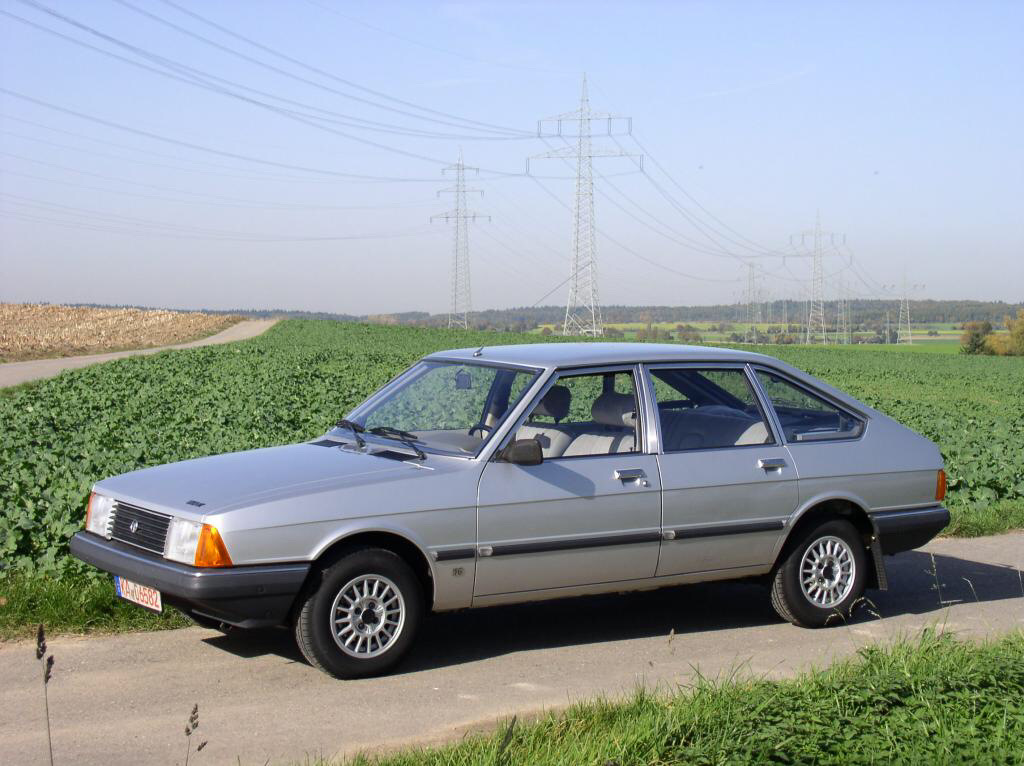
142,595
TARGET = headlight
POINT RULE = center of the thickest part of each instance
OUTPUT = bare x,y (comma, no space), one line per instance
196,544
182,540
97,514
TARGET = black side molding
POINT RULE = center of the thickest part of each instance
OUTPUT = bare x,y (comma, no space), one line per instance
905,530
454,554
716,530
604,541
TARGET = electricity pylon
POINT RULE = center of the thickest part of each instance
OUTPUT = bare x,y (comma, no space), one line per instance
842,315
583,309
903,332
816,311
461,295
754,317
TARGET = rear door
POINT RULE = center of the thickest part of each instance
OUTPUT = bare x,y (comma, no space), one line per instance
591,512
728,482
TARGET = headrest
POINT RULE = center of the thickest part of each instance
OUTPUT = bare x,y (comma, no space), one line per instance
555,403
614,409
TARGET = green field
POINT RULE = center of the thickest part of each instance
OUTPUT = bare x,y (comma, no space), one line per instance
61,435
947,340
933,701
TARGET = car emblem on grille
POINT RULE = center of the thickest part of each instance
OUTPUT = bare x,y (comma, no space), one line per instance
134,526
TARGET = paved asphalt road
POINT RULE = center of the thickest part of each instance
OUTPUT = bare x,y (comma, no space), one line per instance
13,373
124,699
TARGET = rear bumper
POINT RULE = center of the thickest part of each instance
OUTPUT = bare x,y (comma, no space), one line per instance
245,596
906,530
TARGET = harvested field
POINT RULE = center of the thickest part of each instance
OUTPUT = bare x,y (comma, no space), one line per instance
38,331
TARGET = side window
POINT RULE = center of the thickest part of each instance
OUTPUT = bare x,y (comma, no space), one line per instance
593,414
804,416
708,409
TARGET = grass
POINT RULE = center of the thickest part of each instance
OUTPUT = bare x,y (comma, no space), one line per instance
933,700
72,605
979,520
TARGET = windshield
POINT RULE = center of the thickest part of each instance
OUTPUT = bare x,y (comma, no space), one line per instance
444,406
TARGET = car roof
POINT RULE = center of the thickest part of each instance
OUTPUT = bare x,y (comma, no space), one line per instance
553,354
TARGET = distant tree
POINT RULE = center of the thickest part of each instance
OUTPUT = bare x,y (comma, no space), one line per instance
689,336
1016,328
1010,343
545,330
933,333
613,332
973,339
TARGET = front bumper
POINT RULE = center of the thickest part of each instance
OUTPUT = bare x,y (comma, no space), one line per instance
244,596
905,530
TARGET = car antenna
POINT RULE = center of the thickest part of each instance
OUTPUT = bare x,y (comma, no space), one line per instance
479,351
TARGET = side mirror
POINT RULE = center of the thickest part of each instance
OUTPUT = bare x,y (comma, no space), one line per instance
523,452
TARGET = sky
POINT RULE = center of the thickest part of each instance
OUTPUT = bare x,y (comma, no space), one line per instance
227,154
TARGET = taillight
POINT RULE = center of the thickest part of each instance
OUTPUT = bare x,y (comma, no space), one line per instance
940,485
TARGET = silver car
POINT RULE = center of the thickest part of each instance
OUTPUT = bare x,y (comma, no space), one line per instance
506,474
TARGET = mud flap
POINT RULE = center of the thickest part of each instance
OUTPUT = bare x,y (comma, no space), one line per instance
881,581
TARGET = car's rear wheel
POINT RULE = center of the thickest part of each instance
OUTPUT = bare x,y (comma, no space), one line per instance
822,577
362,617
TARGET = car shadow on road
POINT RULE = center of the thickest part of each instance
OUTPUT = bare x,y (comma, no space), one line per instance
919,583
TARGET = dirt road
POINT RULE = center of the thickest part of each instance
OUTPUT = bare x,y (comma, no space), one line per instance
13,373
124,699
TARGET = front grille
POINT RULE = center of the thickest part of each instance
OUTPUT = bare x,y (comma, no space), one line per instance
150,527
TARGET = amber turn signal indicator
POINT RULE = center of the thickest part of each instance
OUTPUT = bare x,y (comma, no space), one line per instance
211,551
940,485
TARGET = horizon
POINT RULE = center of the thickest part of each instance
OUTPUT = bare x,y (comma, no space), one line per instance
903,125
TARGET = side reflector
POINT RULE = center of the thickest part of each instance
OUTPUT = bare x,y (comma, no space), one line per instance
211,551
940,485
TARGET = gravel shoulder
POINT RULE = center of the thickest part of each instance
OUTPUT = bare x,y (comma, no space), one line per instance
124,698
15,373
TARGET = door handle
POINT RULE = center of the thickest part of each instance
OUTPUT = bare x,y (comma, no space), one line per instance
771,463
630,474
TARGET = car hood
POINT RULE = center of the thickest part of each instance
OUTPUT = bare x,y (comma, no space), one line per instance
196,488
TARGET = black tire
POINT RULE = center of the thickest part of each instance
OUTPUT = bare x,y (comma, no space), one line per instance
788,595
315,620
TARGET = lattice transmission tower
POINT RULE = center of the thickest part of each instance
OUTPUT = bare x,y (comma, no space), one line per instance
843,329
903,332
754,316
816,309
583,308
460,215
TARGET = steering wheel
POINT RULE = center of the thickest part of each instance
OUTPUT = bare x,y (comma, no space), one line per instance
480,427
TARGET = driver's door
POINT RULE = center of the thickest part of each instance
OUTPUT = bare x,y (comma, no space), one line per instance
590,512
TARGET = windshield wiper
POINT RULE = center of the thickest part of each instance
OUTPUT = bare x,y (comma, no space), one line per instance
355,428
406,438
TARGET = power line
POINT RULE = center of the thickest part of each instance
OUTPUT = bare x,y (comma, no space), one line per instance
429,47
462,122
203,79
755,247
210,199
206,149
146,225
198,82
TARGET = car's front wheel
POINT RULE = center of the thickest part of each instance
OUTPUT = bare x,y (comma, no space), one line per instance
362,617
822,577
